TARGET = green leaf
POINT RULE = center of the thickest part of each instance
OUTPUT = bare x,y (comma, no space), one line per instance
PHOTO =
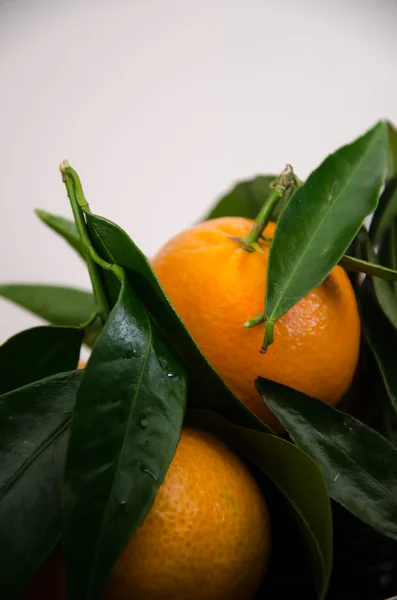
384,291
34,428
64,306
358,464
322,218
65,228
209,390
392,169
382,339
38,353
349,263
244,200
385,212
387,252
126,426
295,475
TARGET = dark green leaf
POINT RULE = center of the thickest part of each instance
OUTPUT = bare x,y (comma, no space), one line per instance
383,289
295,475
34,428
349,263
358,464
392,170
65,228
388,249
382,339
65,306
244,200
126,425
38,353
385,212
210,391
322,219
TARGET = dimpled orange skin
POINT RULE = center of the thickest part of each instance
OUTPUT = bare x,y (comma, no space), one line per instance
215,286
207,535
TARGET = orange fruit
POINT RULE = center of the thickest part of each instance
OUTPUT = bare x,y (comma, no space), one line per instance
206,536
215,286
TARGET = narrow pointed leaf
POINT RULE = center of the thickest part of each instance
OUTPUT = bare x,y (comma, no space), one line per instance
38,353
295,475
126,425
349,263
65,228
209,390
34,424
322,218
358,464
244,200
65,306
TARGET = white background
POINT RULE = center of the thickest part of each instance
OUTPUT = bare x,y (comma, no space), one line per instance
161,104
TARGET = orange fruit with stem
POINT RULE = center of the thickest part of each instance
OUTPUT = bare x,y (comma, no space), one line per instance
206,537
215,285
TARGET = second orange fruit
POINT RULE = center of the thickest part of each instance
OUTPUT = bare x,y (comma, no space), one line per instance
215,286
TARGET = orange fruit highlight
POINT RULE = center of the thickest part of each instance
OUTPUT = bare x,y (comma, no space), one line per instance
216,286
206,536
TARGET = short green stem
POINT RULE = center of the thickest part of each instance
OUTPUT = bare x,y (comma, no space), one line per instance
269,337
255,321
283,187
261,221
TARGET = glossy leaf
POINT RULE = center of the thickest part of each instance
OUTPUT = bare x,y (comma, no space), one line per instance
65,228
385,212
209,390
322,219
65,306
126,425
34,424
349,263
295,475
358,464
383,289
38,353
382,339
244,200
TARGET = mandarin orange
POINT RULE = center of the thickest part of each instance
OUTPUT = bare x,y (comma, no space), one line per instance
206,536
216,286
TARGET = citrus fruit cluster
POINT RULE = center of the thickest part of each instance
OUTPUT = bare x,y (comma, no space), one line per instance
208,533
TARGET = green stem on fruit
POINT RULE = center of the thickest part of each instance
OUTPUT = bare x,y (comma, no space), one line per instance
261,221
79,204
269,337
255,321
284,186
